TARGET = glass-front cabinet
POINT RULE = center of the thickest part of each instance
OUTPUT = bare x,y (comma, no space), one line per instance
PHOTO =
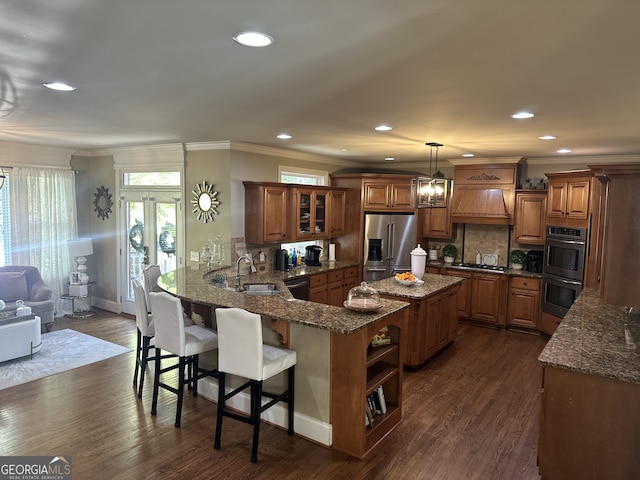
311,213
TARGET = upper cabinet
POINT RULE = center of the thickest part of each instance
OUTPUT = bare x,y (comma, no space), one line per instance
336,205
436,222
310,219
484,194
388,194
531,209
568,200
265,212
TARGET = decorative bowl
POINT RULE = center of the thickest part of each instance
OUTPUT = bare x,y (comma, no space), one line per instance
407,279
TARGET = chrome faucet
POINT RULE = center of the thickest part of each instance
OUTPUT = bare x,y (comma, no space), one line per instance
247,258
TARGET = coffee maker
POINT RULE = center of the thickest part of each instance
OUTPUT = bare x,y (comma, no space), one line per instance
312,256
282,259
534,261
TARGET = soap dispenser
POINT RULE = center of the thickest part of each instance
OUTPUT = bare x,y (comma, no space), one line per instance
479,259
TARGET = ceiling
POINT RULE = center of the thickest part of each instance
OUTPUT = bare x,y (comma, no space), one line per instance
448,71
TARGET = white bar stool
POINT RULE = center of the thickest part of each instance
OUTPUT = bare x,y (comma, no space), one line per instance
144,324
184,342
242,353
151,274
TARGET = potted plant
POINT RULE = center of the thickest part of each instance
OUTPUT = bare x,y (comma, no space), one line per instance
449,252
517,259
527,184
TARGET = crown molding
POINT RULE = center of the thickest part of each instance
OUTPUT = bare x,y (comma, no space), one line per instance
584,160
485,161
167,155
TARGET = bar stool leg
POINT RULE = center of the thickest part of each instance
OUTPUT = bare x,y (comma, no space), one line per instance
138,350
290,395
143,366
156,384
221,395
181,364
256,404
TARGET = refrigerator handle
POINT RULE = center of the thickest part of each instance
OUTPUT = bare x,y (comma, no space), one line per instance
391,231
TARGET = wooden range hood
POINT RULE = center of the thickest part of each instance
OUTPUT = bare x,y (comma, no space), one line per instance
484,193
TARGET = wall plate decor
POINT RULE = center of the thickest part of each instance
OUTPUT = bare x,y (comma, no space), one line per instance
204,202
102,202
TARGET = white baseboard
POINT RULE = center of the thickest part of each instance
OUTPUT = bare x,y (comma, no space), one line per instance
107,305
305,426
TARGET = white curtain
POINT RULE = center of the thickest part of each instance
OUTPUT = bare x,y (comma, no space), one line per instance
43,218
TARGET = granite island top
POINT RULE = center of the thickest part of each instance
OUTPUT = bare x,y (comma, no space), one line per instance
194,285
596,338
432,284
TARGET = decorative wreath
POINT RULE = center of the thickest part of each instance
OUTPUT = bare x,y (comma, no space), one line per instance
102,202
136,236
167,239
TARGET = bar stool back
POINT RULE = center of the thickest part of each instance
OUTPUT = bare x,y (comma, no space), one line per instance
185,342
144,324
242,353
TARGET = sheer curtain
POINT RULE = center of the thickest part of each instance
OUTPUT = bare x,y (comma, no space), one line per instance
43,204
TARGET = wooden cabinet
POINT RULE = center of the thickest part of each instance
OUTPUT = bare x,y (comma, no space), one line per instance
524,302
388,194
482,297
318,288
436,222
433,324
310,207
332,287
549,323
266,212
336,211
351,279
568,198
531,211
335,287
357,369
463,302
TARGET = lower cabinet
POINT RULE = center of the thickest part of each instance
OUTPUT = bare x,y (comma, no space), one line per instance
433,324
332,287
482,297
357,371
318,288
524,302
549,323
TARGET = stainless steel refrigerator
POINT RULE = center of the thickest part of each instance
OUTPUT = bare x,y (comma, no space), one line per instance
388,241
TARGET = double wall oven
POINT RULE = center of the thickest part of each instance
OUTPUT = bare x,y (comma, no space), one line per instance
563,268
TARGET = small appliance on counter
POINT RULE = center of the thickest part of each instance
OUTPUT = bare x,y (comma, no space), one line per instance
312,256
534,261
282,259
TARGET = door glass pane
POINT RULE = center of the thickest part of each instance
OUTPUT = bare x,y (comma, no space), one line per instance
135,245
166,236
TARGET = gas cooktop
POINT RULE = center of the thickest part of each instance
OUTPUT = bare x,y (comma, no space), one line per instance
493,268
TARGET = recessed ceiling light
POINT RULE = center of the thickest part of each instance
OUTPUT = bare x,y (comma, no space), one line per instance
520,115
467,154
345,150
389,159
564,150
253,39
284,136
61,87
547,137
383,128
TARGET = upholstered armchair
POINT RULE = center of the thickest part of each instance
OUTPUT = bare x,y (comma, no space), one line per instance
25,283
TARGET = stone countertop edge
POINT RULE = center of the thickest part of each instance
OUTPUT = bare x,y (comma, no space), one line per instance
192,284
596,338
432,284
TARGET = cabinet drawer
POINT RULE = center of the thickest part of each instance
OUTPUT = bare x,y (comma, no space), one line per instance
335,276
525,283
317,280
351,272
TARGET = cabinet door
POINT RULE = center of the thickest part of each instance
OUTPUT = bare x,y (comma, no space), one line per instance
464,294
432,326
376,195
336,212
523,308
578,199
436,222
311,218
449,309
531,209
485,298
318,294
401,195
335,294
265,214
557,199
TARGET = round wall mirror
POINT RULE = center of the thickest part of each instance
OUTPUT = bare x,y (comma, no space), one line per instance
204,202
102,202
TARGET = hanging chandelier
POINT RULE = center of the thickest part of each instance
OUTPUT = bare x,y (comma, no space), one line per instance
433,190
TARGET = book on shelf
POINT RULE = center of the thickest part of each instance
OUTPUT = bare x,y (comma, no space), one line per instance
381,338
369,414
380,395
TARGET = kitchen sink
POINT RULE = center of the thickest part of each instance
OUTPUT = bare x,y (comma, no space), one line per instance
260,289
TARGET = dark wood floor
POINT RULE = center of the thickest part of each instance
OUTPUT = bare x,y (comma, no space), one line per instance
470,413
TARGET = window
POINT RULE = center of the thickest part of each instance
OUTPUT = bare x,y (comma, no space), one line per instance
146,179
302,175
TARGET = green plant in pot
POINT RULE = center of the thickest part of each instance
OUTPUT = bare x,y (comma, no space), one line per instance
517,259
449,252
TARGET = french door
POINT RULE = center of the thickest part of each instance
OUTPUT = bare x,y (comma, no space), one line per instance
152,234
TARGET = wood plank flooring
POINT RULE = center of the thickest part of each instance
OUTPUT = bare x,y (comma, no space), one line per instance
470,413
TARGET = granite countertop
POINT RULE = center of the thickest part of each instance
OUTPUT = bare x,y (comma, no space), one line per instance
432,284
193,284
596,338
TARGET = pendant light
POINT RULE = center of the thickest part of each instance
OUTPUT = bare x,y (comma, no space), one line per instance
432,190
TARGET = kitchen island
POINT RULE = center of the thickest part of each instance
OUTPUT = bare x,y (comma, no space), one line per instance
336,368
590,415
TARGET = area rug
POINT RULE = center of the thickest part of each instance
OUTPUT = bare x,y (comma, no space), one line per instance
61,350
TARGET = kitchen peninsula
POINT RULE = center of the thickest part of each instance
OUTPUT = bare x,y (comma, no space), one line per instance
590,420
336,368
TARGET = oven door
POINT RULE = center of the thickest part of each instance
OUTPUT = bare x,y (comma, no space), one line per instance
558,294
564,258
